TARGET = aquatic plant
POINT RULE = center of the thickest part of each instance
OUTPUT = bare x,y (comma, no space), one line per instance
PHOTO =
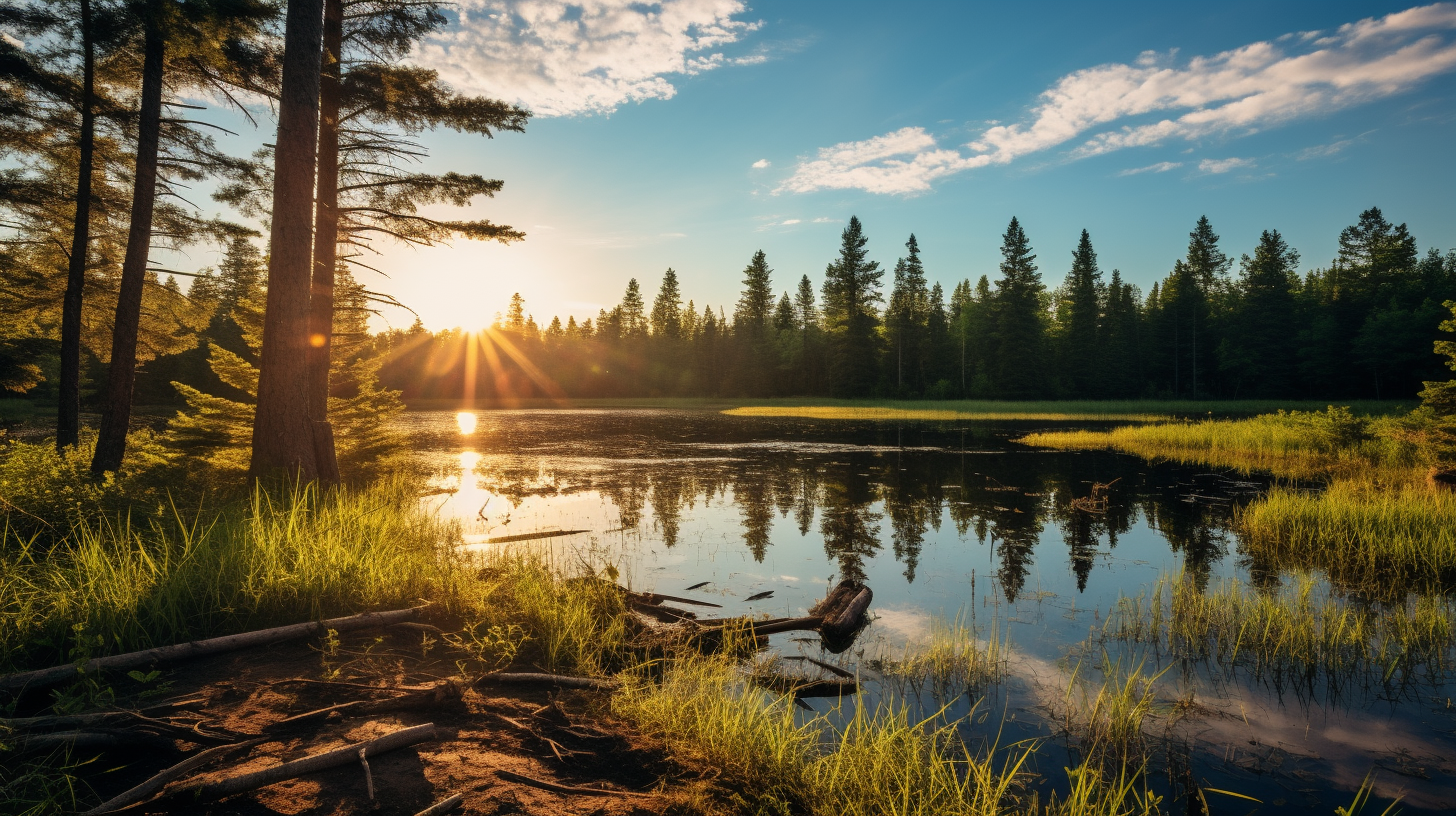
951,661
1297,627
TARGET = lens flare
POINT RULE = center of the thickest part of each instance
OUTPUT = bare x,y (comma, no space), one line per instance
466,421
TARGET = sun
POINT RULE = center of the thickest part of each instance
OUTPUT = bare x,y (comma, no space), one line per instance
466,421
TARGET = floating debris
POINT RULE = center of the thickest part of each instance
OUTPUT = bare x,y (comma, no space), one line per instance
760,596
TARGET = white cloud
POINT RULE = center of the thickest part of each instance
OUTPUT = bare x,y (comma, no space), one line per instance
1236,92
1323,151
1160,167
788,221
905,161
1224,165
760,164
823,220
590,56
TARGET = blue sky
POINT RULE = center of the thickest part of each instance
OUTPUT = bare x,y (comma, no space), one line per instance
942,119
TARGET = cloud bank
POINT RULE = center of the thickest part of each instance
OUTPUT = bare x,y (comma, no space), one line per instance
1237,92
583,57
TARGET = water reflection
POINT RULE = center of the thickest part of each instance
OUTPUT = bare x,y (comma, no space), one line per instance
654,469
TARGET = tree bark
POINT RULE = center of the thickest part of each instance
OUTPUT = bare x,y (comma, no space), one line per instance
68,414
116,411
325,244
282,430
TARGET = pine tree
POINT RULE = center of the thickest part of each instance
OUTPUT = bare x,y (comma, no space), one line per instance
905,319
667,309
753,340
937,346
1257,354
1121,369
1082,352
1018,320
851,290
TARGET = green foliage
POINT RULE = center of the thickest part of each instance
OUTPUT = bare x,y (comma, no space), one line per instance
1018,319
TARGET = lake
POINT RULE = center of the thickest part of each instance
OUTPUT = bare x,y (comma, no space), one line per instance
946,521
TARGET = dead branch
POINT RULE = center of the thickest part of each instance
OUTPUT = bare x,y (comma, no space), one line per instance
439,694
534,679
443,806
156,783
403,738
512,776
41,678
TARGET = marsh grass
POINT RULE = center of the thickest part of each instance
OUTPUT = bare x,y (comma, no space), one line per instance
1376,537
122,584
1314,445
1107,719
1297,628
953,659
880,760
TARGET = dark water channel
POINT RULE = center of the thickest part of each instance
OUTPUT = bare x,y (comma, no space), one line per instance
948,520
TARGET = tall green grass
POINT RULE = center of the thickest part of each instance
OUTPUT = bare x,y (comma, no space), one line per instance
1300,626
950,662
1298,445
121,584
881,761
1380,538
1046,410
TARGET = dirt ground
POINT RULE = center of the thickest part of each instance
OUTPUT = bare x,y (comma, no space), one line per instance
557,737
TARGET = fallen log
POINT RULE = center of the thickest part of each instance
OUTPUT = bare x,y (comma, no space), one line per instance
442,693
99,739
42,678
512,776
443,806
207,791
535,679
156,783
663,614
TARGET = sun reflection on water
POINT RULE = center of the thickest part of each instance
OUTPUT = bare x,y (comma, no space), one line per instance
466,421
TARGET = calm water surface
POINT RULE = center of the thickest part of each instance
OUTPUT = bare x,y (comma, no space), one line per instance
946,519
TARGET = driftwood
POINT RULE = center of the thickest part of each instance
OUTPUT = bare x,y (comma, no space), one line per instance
802,687
147,788
829,667
534,679
440,694
403,738
443,806
655,598
663,614
507,539
512,776
42,678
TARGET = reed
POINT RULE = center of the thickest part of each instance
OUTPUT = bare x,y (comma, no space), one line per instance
952,660
1107,719
1378,537
1298,627
1294,445
880,761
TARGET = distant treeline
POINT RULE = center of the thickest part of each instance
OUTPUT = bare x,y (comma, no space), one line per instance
1362,327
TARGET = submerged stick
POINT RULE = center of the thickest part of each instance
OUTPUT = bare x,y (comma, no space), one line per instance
147,788
535,679
506,539
318,762
41,678
443,806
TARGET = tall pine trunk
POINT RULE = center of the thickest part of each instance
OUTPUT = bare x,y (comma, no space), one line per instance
116,411
68,414
325,244
282,428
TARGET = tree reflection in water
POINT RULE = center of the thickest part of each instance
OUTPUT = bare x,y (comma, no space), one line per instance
845,477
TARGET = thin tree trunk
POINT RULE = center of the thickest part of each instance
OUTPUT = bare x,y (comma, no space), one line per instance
282,430
116,411
325,245
68,414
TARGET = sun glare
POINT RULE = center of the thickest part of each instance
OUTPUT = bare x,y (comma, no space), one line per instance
466,421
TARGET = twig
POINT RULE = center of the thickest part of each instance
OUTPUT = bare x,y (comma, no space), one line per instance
512,776
368,777
535,679
443,806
